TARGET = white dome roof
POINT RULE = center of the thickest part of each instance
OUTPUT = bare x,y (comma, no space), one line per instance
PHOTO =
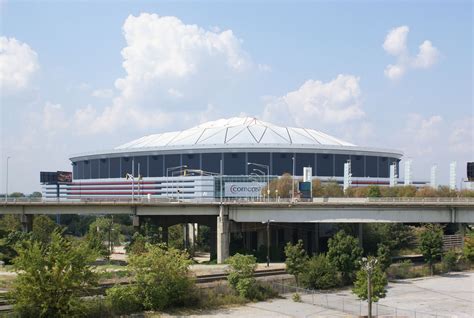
235,131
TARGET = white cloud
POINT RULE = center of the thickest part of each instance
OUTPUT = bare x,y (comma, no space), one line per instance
421,133
427,55
396,44
18,62
54,118
171,68
396,40
394,71
461,137
317,103
103,93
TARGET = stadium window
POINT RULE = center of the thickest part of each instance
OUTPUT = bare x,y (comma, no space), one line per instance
155,166
234,163
340,160
371,167
282,163
87,169
114,167
94,168
357,166
211,162
325,166
104,168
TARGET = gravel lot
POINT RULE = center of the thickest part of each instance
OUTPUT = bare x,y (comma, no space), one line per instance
446,296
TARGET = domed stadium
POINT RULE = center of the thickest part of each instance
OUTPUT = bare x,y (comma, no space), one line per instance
240,149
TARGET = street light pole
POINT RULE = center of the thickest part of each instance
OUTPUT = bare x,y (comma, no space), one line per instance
293,180
6,187
368,265
268,243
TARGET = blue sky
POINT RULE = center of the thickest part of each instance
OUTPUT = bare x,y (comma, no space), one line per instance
314,64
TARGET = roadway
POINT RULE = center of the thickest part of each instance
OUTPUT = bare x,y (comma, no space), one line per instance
320,210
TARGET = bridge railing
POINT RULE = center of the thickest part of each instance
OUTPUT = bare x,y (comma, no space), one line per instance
342,200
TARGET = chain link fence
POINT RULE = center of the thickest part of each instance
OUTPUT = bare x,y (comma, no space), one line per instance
349,305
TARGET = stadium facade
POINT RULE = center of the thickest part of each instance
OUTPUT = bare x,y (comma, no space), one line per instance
232,157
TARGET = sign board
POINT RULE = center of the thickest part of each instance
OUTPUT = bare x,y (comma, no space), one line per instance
243,189
64,176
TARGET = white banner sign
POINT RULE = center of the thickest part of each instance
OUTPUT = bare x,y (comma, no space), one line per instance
243,189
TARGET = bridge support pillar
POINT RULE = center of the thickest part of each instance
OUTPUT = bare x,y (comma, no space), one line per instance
136,222
164,234
360,234
27,222
316,239
223,235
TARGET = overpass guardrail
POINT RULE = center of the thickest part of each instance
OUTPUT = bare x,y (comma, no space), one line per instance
342,200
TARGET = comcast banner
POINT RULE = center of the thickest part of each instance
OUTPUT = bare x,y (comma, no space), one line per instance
243,189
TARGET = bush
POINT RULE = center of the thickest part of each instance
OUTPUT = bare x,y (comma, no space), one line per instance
296,298
124,299
248,288
319,273
240,267
449,260
52,277
296,258
468,250
344,253
161,276
431,244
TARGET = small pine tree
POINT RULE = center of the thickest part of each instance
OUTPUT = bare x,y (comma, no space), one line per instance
384,256
373,191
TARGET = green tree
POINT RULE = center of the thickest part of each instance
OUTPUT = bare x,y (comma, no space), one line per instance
345,254
373,191
43,226
9,223
162,277
378,283
449,260
431,244
240,276
319,273
296,258
468,249
16,195
103,235
52,277
384,256
36,194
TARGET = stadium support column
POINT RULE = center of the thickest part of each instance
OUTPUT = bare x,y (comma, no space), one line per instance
164,234
27,222
223,235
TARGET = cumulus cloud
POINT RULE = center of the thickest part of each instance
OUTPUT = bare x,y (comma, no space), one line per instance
168,62
461,138
395,44
421,133
396,40
18,63
334,102
103,93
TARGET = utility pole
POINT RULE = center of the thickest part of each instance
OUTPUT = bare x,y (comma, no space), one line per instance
268,243
6,187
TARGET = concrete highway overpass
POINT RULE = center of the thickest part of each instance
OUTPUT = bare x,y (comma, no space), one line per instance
233,216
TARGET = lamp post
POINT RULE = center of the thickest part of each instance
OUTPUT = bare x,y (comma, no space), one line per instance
368,265
268,182
268,175
268,241
6,186
167,176
293,180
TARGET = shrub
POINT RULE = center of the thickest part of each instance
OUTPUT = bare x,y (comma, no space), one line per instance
52,277
468,249
161,276
449,260
241,267
296,298
296,258
319,273
431,244
384,256
124,299
344,253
